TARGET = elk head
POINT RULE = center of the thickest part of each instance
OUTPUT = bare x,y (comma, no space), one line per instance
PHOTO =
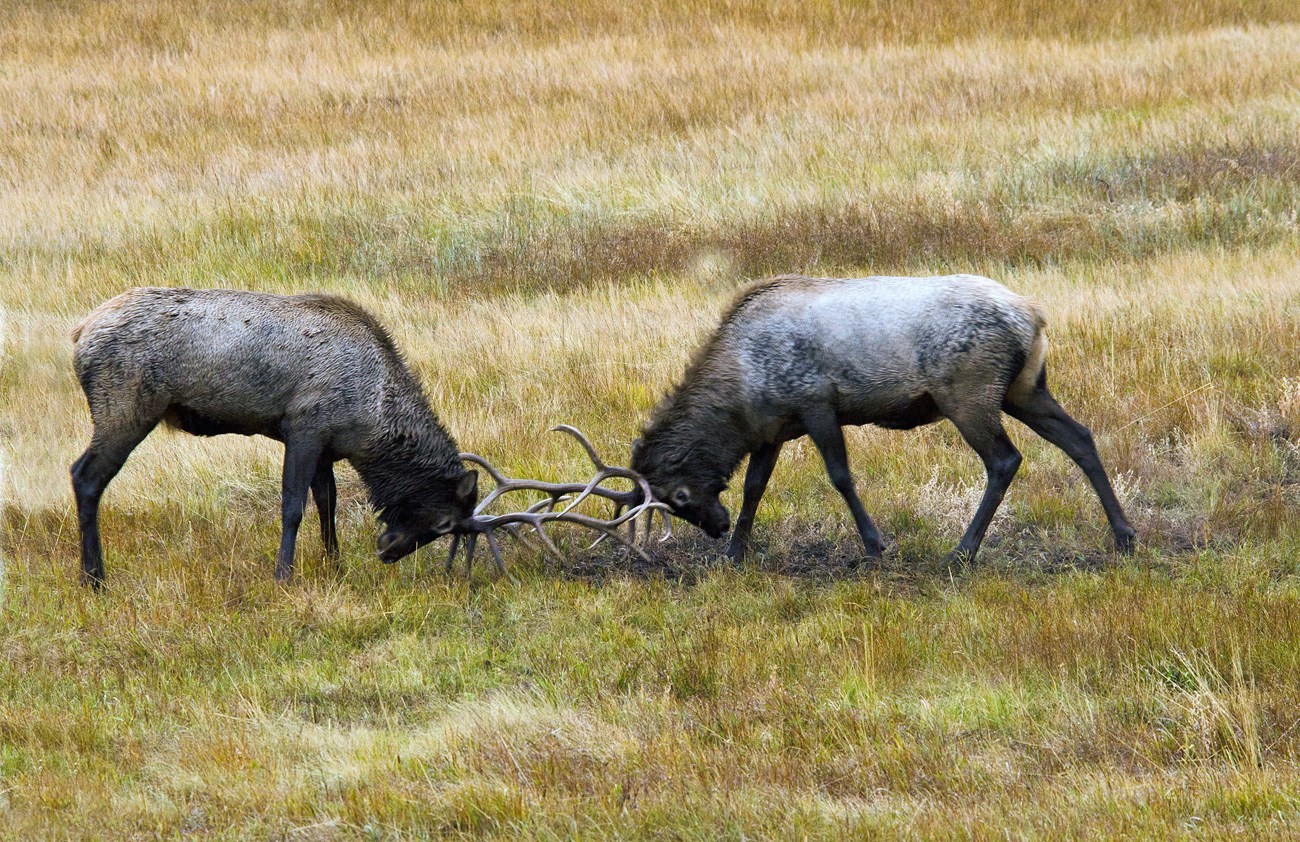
410,525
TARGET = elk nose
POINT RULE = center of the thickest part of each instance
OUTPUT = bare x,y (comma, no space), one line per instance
389,540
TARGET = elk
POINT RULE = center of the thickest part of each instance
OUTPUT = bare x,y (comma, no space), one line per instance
315,372
797,356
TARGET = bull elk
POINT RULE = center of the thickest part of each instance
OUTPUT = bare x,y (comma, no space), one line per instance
315,372
797,356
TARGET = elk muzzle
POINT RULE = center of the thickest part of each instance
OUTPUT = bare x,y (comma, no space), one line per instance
395,544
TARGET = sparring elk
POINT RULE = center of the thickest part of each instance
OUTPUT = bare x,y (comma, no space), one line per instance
797,356
315,372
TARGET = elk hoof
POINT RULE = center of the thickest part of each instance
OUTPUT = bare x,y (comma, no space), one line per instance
875,551
734,551
960,557
1126,540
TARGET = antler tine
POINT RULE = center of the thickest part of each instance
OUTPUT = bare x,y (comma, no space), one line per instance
630,507
592,488
496,475
551,549
546,505
582,440
496,553
521,536
536,518
605,471
501,480
606,528
470,540
505,485
668,525
611,531
451,555
618,510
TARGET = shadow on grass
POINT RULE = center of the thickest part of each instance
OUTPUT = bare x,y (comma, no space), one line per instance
817,557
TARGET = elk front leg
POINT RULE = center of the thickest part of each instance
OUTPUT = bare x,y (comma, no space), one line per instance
325,493
759,471
300,458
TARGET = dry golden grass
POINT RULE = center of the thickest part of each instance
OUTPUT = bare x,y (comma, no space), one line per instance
549,204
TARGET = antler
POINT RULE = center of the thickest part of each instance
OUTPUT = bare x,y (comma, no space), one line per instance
638,503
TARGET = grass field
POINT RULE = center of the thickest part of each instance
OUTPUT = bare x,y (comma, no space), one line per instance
550,204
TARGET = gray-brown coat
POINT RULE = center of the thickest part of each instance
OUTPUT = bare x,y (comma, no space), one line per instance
316,372
796,355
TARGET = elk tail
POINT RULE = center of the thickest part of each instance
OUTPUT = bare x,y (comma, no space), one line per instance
1027,380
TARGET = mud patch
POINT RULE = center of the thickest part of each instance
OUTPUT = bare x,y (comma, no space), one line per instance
827,557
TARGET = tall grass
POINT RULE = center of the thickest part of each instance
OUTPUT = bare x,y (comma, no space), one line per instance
550,204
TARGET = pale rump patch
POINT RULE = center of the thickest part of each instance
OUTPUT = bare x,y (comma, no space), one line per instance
1025,382
112,305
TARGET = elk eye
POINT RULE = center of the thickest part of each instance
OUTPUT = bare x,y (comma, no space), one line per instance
443,526
681,496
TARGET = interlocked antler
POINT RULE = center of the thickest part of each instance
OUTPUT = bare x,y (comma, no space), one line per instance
638,502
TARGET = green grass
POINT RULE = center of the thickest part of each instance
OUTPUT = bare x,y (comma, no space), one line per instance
550,207
393,700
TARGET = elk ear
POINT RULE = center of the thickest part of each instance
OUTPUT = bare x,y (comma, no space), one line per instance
638,447
467,487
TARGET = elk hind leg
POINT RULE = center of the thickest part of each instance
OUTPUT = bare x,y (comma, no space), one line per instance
1039,411
110,445
985,434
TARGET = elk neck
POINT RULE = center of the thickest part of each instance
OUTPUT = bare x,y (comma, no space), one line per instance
700,427
409,453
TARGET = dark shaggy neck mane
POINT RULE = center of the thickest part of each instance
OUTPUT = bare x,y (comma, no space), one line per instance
694,434
699,429
410,453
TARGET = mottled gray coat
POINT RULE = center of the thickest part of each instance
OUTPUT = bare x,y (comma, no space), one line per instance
316,372
796,356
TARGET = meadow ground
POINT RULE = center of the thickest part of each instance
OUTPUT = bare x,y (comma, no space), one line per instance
550,205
